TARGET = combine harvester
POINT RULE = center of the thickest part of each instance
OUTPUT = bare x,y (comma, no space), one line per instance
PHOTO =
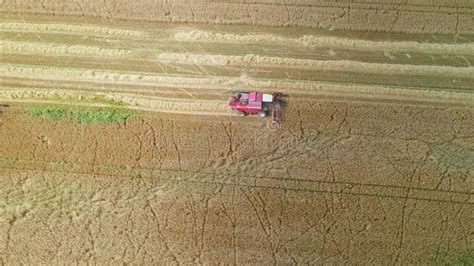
257,103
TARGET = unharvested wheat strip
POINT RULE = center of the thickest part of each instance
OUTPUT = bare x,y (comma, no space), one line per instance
216,82
41,27
331,65
133,101
13,47
325,41
157,107
98,87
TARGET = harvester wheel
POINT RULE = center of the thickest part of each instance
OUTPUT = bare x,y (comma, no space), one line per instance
242,113
262,114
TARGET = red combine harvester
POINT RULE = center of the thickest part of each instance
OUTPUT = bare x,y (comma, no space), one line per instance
257,103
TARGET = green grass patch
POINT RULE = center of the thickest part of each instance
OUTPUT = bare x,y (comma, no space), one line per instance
454,154
467,259
103,115
54,113
100,116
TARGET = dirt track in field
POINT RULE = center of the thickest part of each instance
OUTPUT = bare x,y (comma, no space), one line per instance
372,165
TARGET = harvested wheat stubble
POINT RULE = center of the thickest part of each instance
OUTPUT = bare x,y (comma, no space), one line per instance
41,27
179,179
415,16
328,65
56,49
324,41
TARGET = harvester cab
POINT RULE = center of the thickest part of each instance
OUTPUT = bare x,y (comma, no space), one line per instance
257,103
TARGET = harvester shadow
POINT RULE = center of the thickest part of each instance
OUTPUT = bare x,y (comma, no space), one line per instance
284,104
2,106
